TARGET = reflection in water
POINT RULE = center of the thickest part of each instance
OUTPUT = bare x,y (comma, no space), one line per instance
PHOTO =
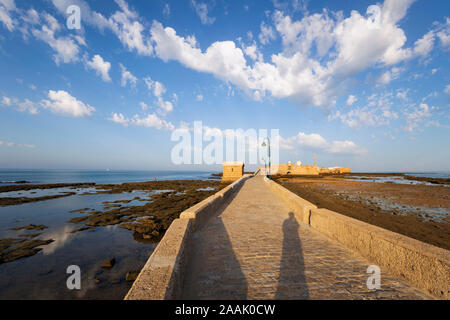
43,276
60,236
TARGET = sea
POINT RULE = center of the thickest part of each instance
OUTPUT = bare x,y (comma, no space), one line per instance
13,176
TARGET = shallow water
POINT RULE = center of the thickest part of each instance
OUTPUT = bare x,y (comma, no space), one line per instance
386,204
393,179
11,177
36,193
43,276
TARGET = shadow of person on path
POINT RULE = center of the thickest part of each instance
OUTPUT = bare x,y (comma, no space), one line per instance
214,271
292,279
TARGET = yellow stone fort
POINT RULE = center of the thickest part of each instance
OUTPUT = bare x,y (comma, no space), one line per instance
233,171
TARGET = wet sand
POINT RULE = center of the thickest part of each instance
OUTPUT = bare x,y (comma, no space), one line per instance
418,211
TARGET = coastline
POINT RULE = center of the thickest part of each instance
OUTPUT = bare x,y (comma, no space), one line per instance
95,223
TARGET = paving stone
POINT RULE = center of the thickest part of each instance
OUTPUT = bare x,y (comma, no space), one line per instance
254,248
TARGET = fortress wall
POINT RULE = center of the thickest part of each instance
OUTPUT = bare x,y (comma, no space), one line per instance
162,276
293,169
425,266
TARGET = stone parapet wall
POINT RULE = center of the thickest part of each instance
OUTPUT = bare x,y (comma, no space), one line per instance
424,266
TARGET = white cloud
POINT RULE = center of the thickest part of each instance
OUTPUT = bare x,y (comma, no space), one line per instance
27,106
315,141
345,147
150,121
267,34
300,73
130,31
444,34
63,103
13,144
199,97
31,17
253,52
202,11
6,6
144,106
159,90
166,10
6,101
120,119
447,89
88,16
127,77
124,23
66,49
165,106
389,75
402,94
351,100
417,116
100,66
24,106
423,46
377,113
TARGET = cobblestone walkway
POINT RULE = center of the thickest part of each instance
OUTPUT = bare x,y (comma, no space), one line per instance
255,249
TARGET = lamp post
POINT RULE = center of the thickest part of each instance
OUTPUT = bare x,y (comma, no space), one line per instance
268,150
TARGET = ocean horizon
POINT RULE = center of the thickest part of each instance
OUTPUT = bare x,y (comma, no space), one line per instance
49,176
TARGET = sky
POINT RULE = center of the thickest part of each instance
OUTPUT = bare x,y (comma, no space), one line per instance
362,84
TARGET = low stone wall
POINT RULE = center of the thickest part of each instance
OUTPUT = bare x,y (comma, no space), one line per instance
300,207
162,276
203,210
424,266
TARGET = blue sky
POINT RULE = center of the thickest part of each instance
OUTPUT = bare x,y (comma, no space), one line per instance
363,84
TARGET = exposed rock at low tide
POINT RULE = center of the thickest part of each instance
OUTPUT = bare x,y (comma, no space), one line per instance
14,249
109,263
30,227
131,276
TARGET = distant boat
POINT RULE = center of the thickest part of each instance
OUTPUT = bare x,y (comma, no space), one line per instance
108,170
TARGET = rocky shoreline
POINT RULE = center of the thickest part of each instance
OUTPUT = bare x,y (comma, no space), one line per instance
163,202
418,211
